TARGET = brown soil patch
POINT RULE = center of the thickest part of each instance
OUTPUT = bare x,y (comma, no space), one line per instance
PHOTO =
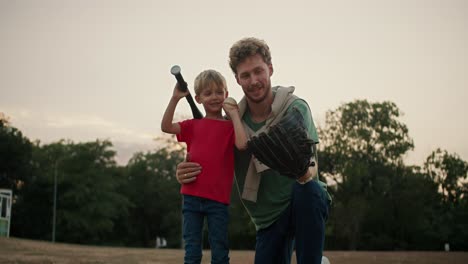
13,250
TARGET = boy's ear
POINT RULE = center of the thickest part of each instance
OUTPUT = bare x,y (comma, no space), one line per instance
197,98
227,94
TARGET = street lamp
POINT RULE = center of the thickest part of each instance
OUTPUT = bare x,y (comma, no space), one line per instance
55,202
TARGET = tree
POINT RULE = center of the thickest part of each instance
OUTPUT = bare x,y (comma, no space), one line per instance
87,197
32,211
153,189
449,172
15,156
362,144
241,230
366,130
401,211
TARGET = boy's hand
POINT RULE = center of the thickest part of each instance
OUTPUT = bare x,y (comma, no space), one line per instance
177,93
230,107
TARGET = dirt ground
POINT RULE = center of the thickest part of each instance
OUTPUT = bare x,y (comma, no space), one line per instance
18,251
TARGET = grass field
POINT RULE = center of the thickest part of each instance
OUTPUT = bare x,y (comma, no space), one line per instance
19,251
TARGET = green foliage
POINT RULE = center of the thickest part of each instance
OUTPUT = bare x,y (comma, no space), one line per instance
379,203
87,201
449,172
153,189
15,156
365,130
242,233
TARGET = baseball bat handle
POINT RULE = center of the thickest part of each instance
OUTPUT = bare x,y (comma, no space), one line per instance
175,70
195,111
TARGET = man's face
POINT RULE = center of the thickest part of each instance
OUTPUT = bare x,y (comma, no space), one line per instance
253,74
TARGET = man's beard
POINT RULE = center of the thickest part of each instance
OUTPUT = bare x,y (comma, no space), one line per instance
265,90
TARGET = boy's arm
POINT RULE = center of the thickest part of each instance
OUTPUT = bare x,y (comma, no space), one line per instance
232,111
167,125
241,136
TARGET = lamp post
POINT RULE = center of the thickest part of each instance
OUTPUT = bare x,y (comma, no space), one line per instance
55,202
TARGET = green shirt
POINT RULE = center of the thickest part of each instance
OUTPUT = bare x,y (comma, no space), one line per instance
274,193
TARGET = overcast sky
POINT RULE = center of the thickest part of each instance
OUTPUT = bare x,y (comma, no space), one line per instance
91,69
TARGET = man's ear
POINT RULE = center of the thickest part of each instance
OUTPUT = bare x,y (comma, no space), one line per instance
197,98
237,78
270,67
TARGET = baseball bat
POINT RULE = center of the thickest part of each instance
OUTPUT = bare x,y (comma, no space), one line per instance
175,70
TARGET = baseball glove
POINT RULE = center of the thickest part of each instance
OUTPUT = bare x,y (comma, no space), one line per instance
285,147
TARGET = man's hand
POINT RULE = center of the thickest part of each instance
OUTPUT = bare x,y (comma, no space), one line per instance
310,174
286,147
187,171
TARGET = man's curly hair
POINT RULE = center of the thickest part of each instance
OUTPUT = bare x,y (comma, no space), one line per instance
245,48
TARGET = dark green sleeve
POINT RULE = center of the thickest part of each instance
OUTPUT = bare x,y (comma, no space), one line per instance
302,106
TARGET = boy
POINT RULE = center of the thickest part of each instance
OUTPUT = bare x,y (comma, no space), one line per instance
210,142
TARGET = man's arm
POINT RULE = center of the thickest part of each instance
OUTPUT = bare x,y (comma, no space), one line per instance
304,109
312,172
187,171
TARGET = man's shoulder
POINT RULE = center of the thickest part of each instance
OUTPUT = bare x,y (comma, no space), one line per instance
300,104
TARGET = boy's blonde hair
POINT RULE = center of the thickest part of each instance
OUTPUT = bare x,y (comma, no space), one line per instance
245,48
208,78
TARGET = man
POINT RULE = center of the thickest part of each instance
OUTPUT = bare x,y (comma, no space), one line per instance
287,213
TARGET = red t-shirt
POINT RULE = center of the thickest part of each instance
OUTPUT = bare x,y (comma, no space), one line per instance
210,143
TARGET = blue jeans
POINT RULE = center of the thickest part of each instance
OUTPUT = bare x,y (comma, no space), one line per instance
194,210
302,224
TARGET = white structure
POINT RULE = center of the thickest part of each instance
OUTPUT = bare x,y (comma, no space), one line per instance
158,242
5,212
161,242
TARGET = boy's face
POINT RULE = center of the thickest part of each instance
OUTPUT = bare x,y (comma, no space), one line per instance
253,75
212,98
